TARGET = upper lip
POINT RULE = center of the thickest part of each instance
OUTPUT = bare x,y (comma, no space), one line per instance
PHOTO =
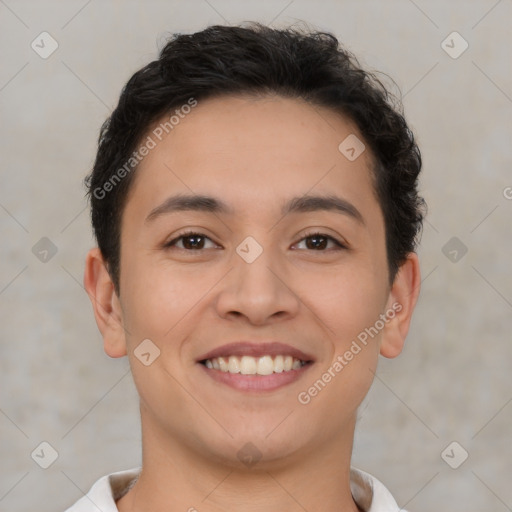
247,348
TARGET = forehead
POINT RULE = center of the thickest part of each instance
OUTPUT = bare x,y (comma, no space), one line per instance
253,151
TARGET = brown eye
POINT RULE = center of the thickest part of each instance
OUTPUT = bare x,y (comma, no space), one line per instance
316,242
189,241
320,241
193,242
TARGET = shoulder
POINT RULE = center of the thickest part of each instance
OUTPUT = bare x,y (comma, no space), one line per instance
105,491
370,493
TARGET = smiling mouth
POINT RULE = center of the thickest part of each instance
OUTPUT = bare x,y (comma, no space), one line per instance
248,365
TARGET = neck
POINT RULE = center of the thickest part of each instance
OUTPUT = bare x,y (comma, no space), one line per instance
177,477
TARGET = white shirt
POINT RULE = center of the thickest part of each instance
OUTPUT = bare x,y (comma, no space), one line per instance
368,492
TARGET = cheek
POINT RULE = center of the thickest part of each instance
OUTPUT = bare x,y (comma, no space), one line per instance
347,300
156,298
343,378
360,329
350,304
157,301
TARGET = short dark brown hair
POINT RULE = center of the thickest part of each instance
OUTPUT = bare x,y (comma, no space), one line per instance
256,59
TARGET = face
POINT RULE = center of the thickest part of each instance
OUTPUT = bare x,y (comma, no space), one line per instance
255,277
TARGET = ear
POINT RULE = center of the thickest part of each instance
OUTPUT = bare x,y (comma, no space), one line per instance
401,302
105,303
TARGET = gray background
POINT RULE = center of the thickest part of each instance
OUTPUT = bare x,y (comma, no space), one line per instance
452,382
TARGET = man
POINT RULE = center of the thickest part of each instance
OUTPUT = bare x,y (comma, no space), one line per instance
254,198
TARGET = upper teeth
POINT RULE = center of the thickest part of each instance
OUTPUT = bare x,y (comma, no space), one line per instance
248,365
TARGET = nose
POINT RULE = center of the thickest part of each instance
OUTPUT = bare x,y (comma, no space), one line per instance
260,291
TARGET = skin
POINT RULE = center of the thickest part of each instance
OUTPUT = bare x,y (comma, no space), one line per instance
254,154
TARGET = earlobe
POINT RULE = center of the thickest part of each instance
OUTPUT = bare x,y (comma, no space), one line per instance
105,303
401,303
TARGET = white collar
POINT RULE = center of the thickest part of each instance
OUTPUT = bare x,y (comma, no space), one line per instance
368,492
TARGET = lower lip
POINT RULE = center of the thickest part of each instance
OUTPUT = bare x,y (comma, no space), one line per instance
256,382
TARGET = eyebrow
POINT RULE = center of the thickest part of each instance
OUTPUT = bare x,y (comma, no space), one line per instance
302,204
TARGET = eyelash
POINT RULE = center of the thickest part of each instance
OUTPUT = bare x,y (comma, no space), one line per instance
170,244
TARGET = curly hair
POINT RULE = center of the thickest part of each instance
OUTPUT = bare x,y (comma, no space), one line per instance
258,60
